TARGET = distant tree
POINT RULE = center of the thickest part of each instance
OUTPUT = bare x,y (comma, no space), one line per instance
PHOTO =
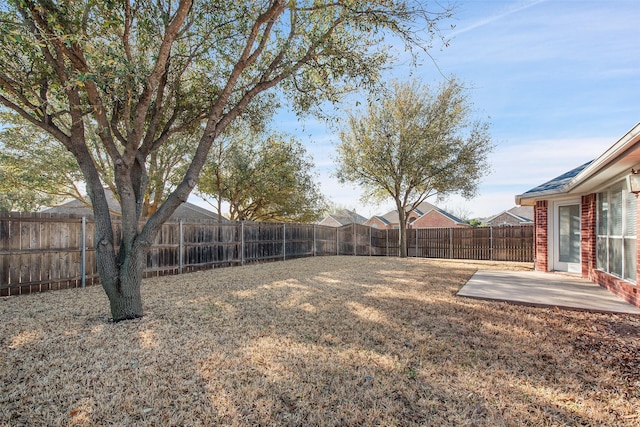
141,72
475,222
459,212
413,144
263,178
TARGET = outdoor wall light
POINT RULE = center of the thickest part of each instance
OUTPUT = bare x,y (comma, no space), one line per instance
633,182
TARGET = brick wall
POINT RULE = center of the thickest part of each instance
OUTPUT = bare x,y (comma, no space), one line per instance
435,219
622,288
626,290
504,219
376,223
588,233
540,242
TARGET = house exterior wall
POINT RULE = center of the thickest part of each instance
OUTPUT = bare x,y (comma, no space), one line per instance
504,219
541,238
411,219
376,223
435,219
624,289
588,233
330,222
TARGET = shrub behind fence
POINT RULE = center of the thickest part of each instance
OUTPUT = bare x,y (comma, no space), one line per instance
40,252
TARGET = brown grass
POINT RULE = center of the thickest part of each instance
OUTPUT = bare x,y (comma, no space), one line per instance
333,341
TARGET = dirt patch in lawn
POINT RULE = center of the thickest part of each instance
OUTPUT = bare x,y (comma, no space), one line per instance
333,341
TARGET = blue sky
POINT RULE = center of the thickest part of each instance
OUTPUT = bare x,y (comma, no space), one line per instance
558,79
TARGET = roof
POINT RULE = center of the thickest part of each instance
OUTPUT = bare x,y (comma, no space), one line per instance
345,216
520,213
614,164
516,217
79,207
381,219
392,217
422,209
186,211
189,211
448,215
559,182
524,212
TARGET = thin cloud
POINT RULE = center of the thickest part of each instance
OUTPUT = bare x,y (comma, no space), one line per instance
518,7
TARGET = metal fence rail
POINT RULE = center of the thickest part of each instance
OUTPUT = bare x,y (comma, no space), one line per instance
40,252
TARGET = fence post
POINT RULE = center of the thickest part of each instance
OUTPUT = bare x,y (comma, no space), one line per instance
491,243
181,249
387,240
337,240
370,241
284,241
451,243
242,242
83,265
314,240
416,243
355,240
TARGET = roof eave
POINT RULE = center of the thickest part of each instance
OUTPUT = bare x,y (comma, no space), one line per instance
623,145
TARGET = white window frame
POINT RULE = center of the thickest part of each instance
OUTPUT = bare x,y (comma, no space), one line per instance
624,237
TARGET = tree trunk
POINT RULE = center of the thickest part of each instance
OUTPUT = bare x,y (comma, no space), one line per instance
122,284
403,242
402,219
126,302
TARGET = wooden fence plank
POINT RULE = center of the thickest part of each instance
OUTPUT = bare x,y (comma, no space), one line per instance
40,252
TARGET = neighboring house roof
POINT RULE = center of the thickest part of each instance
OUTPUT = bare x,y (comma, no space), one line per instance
343,217
522,214
615,163
392,217
525,212
514,216
78,207
422,209
448,215
189,211
381,219
186,211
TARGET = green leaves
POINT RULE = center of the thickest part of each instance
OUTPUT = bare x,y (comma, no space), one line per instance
118,82
416,143
263,177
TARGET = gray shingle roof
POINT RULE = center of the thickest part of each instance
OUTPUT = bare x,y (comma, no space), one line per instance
423,208
559,182
524,212
345,216
187,211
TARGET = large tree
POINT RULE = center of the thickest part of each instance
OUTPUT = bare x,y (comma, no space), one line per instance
57,176
263,177
416,143
142,72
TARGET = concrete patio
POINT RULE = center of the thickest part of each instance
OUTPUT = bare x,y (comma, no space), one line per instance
544,290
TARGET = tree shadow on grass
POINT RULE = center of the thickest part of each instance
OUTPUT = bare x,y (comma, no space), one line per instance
353,341
425,356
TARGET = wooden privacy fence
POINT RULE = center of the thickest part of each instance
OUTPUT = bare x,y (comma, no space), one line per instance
40,252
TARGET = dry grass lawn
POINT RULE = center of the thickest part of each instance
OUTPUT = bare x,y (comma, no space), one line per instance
335,341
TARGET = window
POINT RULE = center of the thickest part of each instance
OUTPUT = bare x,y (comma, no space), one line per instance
616,232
